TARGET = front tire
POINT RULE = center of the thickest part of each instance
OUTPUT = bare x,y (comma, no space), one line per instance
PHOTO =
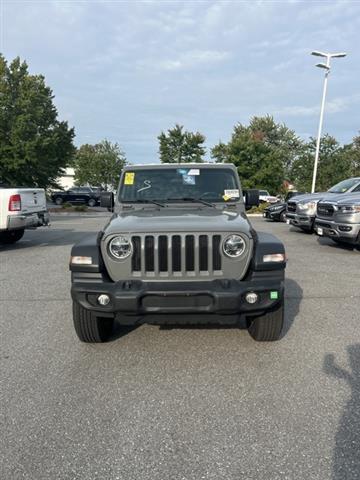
283,217
88,327
58,200
12,236
92,202
268,327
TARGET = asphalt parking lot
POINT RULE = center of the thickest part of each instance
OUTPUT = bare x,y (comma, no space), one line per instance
181,403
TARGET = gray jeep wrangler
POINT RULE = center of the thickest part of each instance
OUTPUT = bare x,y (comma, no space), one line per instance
178,249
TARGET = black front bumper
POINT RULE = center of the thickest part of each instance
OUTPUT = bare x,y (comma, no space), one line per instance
136,297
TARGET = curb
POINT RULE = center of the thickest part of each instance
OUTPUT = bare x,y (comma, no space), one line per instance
254,215
79,214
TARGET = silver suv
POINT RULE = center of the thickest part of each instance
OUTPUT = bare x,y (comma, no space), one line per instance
178,249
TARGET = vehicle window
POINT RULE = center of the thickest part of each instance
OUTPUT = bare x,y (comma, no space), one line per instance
263,192
344,186
216,185
357,189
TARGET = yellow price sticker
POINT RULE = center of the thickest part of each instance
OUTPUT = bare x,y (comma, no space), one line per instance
226,197
129,178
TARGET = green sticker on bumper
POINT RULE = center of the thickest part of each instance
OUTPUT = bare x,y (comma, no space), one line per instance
274,295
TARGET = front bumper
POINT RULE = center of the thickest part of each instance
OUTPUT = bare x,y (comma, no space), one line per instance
135,297
28,220
301,221
346,232
275,215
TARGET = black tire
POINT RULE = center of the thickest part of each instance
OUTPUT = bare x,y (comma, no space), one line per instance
58,201
91,202
268,327
283,217
88,327
11,237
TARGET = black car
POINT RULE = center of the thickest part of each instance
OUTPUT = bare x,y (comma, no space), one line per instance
87,195
277,211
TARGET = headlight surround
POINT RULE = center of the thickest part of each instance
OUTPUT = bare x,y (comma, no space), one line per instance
120,247
310,206
349,208
234,246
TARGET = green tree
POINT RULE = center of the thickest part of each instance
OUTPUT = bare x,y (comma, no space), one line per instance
99,165
34,145
335,164
262,151
177,146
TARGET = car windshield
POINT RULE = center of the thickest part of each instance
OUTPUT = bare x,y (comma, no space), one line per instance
179,184
264,192
344,186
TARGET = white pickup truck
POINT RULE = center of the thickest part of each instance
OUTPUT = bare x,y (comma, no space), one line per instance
21,208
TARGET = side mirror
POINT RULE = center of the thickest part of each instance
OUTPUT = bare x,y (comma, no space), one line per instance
251,198
107,200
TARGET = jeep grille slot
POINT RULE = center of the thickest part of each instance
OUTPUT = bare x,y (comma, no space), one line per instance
163,253
149,253
179,255
189,253
136,258
176,253
216,252
203,253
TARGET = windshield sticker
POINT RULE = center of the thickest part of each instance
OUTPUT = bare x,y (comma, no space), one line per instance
182,171
129,178
194,171
226,198
147,184
188,179
231,193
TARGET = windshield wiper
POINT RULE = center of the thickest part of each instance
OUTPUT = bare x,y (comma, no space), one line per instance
147,200
191,199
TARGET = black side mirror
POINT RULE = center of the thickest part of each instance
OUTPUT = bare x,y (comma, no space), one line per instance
251,198
107,200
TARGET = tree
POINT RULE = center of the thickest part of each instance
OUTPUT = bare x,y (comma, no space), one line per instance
99,165
177,146
34,145
335,164
263,152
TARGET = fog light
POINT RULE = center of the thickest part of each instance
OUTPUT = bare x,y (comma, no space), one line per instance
103,299
251,297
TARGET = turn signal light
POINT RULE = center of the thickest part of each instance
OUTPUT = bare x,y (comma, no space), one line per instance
274,257
76,260
15,203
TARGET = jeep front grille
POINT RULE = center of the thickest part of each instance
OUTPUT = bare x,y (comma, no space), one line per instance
177,255
325,210
291,207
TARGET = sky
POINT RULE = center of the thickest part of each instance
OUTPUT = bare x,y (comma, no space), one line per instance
125,71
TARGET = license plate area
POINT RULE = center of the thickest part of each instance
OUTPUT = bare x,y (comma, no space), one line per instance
180,303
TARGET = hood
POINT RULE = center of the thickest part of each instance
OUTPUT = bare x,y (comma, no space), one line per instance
344,199
178,220
312,197
276,205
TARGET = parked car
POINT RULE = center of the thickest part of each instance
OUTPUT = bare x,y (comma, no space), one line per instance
180,249
21,208
265,197
277,211
301,211
87,195
339,218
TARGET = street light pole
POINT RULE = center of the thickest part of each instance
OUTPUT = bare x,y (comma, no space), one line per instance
325,66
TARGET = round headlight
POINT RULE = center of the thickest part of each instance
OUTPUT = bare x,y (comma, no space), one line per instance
234,246
120,247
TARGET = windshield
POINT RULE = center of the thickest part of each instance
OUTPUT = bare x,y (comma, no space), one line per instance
344,186
176,184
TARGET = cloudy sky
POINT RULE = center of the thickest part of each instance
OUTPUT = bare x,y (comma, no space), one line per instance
127,70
